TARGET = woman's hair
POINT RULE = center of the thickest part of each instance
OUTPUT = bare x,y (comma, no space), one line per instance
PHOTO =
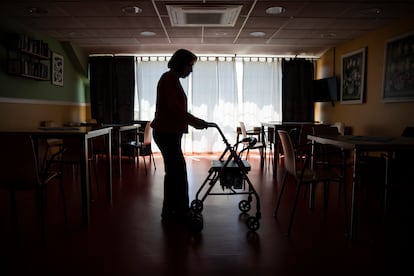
180,59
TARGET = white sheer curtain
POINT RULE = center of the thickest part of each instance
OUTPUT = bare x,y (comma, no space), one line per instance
214,98
261,95
224,90
148,71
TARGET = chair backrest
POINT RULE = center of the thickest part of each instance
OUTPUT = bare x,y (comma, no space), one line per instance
325,130
403,157
305,130
18,162
147,133
408,132
254,137
326,154
289,156
340,126
243,130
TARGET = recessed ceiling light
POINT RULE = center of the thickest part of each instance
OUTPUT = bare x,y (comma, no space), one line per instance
257,34
372,11
132,10
220,33
148,33
275,10
37,11
328,35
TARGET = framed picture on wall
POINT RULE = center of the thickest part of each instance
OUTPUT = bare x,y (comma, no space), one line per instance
398,82
57,69
353,77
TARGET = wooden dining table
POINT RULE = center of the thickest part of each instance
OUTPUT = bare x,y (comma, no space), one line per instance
82,134
360,145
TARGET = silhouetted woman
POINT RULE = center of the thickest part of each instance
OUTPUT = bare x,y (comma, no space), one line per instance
170,123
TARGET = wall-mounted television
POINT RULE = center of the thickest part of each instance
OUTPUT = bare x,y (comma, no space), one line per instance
325,90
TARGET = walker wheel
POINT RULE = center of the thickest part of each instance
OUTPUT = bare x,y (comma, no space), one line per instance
197,206
196,222
244,206
253,223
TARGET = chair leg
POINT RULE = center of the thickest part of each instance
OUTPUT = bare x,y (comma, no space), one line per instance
263,153
62,193
153,160
282,189
91,193
270,159
94,162
145,165
345,208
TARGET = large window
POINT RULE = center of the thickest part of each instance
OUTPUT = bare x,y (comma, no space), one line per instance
224,90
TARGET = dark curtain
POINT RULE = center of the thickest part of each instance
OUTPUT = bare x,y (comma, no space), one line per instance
112,82
297,103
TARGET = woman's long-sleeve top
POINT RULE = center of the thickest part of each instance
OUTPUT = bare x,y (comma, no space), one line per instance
171,115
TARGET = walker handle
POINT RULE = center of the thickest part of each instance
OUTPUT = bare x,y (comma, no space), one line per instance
210,124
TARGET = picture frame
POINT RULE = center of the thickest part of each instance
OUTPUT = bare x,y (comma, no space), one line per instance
398,84
57,64
353,77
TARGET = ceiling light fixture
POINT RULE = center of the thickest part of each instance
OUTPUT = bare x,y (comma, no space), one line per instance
257,34
220,33
132,10
37,11
275,10
372,11
146,33
328,35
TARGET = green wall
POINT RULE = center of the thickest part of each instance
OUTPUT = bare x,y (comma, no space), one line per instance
76,85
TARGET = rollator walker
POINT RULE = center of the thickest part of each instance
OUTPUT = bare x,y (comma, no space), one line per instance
231,172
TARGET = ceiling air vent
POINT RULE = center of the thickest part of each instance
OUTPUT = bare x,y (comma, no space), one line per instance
203,15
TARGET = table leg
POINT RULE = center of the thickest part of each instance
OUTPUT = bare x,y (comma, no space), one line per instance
263,150
344,191
84,178
387,183
119,152
109,167
275,152
311,190
355,196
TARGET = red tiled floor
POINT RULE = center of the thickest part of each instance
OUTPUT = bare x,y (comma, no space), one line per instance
126,236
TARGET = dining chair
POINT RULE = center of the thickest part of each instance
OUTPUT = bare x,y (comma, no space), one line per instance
298,136
340,126
305,176
403,159
328,156
142,147
400,169
20,171
260,143
65,152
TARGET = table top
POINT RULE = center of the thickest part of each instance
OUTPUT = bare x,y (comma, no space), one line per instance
380,143
60,131
129,127
279,123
